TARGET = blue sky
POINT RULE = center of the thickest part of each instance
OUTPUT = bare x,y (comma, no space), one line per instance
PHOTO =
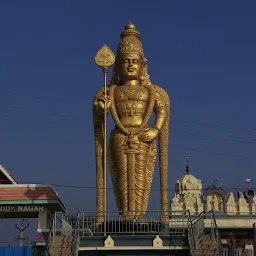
201,52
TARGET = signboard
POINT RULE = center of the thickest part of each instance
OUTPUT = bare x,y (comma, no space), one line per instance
21,208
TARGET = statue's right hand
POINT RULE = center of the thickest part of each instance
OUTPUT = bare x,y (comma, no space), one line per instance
102,101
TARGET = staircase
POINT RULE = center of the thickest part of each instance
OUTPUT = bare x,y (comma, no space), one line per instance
206,245
200,242
63,241
61,245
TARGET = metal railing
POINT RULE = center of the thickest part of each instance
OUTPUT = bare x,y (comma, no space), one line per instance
75,238
61,225
191,236
237,252
198,225
65,224
215,232
195,230
147,224
52,234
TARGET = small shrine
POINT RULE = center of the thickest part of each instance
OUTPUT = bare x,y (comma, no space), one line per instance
215,198
188,194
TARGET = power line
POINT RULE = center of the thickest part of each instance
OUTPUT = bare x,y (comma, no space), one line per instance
40,111
56,114
83,131
39,97
215,126
213,137
50,126
110,188
219,153
185,148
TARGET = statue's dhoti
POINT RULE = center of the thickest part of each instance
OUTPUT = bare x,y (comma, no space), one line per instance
132,164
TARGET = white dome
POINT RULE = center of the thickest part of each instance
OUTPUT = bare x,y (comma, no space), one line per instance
188,182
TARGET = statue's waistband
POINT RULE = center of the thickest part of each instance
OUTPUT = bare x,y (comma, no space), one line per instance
117,129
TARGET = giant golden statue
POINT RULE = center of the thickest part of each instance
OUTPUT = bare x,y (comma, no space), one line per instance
131,100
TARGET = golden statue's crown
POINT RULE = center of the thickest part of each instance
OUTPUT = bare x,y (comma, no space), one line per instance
130,41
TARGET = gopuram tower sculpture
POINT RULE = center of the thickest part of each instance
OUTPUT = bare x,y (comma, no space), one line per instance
132,99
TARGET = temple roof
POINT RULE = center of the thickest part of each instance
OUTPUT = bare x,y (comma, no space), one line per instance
6,177
27,192
11,192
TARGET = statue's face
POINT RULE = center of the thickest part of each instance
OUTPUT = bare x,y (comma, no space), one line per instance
130,67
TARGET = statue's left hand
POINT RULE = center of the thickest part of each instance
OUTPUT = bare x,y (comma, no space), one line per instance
148,135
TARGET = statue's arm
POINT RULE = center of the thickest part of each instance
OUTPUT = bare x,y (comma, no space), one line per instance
100,103
160,111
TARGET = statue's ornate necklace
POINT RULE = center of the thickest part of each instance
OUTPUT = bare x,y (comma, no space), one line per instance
131,93
150,107
132,96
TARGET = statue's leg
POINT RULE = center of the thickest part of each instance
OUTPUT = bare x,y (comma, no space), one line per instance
143,177
150,171
118,169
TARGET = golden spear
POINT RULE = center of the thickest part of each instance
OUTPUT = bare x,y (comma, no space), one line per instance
105,58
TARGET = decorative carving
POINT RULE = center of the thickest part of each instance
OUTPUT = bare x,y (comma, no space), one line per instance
189,203
157,242
221,204
199,204
253,205
215,202
132,99
176,199
109,242
231,204
176,205
216,198
243,206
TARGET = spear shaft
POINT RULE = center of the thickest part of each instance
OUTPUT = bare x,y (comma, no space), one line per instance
104,59
105,150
